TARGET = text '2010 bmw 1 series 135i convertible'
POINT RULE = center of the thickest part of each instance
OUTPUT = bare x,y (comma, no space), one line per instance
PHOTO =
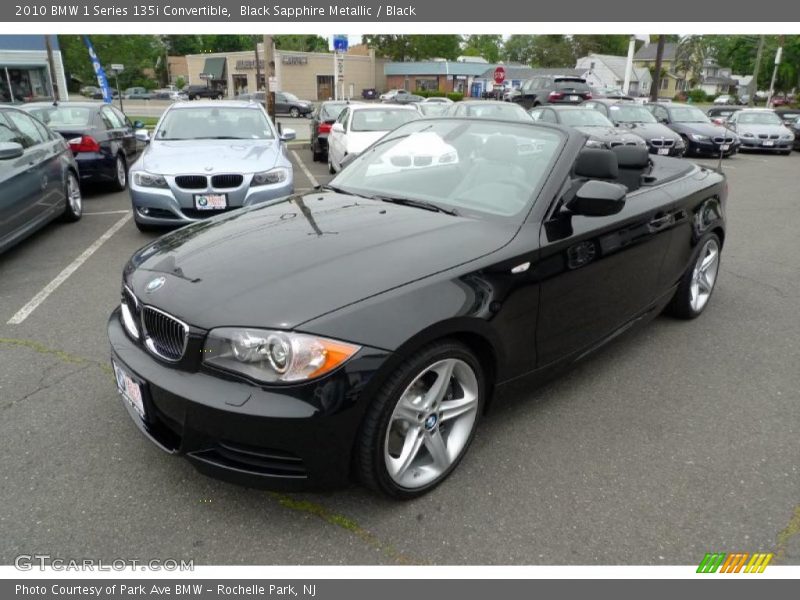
361,330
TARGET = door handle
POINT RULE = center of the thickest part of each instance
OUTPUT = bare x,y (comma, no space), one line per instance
661,221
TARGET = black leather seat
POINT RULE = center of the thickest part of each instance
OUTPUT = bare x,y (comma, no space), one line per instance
597,163
633,161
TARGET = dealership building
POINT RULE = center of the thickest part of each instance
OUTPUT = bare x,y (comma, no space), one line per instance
25,71
309,75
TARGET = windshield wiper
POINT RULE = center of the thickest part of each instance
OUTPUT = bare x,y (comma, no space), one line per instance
417,204
340,190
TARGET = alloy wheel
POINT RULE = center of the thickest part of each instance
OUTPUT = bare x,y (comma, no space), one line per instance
74,195
704,275
431,424
122,176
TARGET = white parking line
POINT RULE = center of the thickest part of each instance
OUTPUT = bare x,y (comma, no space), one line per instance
106,212
305,170
24,312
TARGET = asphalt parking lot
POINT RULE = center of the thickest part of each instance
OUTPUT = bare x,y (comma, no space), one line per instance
677,440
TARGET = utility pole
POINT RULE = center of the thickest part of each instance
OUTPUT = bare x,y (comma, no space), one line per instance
657,76
269,66
258,68
754,83
629,65
778,55
52,67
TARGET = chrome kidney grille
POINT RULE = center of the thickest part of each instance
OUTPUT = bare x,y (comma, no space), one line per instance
164,335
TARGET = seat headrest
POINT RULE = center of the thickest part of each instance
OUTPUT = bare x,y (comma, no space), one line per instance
632,157
500,148
597,163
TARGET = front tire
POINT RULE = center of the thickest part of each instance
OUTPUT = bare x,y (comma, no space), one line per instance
294,112
422,421
74,205
697,284
331,170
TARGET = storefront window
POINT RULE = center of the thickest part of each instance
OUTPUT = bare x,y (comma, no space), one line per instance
427,84
23,84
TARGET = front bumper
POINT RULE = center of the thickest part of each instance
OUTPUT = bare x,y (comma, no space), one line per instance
673,150
174,206
758,144
290,438
710,148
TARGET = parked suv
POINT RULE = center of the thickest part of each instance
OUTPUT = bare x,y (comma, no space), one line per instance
194,92
553,89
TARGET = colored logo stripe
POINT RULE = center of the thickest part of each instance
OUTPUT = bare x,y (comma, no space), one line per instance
735,562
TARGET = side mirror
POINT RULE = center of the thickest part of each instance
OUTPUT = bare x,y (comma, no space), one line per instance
288,134
598,199
337,127
138,125
142,135
9,150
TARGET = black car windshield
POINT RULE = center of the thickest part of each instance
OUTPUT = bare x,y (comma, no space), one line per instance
482,168
687,114
630,113
63,116
381,119
572,84
583,117
330,111
496,110
758,118
211,122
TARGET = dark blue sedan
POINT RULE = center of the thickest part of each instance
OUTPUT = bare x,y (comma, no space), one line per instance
101,137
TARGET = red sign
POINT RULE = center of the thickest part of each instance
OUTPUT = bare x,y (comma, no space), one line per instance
499,75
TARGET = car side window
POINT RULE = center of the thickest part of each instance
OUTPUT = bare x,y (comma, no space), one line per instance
121,116
549,116
111,120
7,133
43,130
26,126
343,117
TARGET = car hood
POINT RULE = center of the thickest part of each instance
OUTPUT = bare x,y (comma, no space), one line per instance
706,129
762,129
604,133
359,141
280,265
649,131
210,156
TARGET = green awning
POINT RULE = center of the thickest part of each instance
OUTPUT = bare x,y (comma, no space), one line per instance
215,67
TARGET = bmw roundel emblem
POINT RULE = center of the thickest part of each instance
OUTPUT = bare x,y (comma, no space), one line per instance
155,284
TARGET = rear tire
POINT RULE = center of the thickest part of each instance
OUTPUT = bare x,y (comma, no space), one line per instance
120,174
422,421
698,282
294,112
331,170
74,200
316,153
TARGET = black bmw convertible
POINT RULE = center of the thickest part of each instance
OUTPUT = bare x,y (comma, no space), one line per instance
360,331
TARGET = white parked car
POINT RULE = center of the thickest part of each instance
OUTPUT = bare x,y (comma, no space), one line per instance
360,125
391,95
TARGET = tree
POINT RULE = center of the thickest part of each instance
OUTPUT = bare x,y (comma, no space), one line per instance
489,47
415,47
690,56
301,43
519,49
552,51
135,52
616,45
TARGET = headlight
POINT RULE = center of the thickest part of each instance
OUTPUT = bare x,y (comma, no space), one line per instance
594,144
128,310
679,143
271,177
699,138
274,356
788,137
145,179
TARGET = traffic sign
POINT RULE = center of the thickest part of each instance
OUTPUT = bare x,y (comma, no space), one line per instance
499,75
205,76
118,68
340,43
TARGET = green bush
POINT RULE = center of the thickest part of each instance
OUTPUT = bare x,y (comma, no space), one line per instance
423,93
697,95
455,96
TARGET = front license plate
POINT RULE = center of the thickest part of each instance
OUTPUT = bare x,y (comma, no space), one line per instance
574,98
130,390
210,201
725,147
767,143
663,151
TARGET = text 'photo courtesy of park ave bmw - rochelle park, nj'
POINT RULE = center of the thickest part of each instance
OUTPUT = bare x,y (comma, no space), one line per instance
425,299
